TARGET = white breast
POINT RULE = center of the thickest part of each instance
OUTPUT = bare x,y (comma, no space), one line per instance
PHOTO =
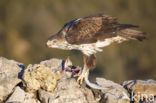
93,48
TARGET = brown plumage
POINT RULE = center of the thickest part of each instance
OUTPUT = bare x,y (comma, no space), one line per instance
98,27
90,61
132,34
90,34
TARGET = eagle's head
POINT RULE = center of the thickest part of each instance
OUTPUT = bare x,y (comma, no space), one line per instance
54,41
57,41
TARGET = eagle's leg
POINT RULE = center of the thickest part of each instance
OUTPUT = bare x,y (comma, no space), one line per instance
89,63
82,75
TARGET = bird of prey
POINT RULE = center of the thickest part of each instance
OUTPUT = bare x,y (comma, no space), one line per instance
89,34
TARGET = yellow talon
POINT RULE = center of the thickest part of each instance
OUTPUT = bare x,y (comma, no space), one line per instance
80,78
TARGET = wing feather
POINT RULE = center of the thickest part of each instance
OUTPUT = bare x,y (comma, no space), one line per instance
92,28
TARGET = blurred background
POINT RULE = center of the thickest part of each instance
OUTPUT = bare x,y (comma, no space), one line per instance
25,26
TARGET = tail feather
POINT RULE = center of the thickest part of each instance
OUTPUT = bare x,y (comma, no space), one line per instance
124,26
132,34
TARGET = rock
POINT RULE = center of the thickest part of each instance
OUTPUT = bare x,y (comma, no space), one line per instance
51,82
141,90
63,93
39,76
116,93
67,91
9,71
53,64
58,65
20,96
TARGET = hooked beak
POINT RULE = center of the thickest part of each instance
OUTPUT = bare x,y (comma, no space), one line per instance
48,45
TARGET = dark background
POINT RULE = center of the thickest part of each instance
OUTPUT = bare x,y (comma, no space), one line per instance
25,26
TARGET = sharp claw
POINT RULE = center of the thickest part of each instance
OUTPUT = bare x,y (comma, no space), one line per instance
80,79
80,76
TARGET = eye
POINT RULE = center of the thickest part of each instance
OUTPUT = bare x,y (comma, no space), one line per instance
54,41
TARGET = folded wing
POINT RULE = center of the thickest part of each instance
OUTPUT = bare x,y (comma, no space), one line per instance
93,28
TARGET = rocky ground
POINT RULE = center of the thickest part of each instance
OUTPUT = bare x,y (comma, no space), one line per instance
47,82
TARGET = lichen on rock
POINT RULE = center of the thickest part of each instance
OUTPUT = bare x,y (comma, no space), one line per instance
40,77
68,91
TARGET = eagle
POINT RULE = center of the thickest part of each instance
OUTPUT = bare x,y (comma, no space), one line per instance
89,34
